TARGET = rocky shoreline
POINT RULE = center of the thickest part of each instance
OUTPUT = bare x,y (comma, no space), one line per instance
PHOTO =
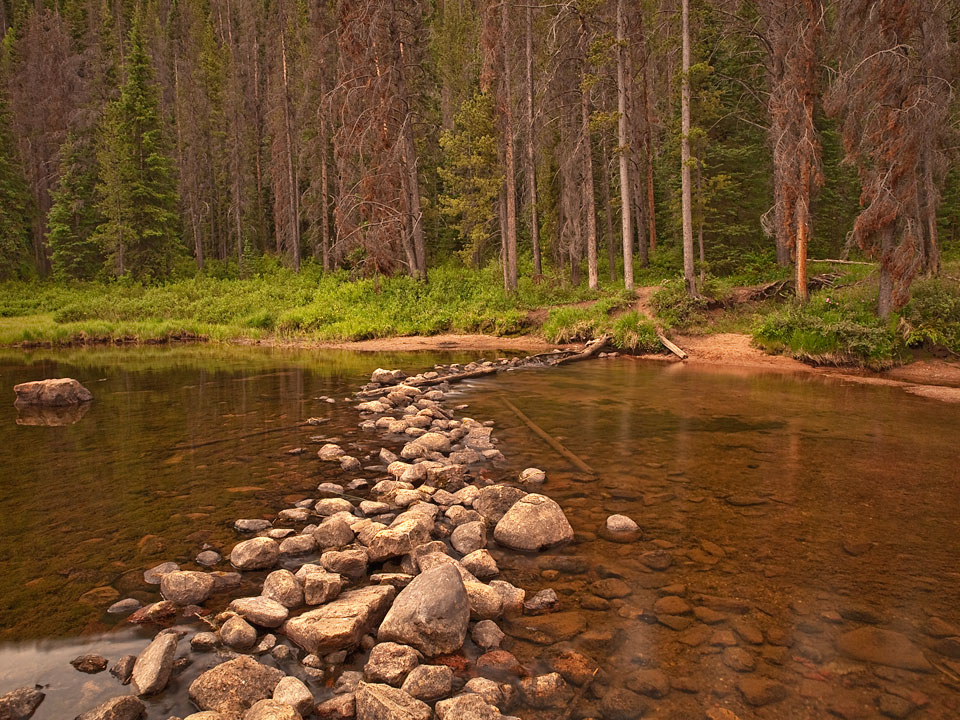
393,576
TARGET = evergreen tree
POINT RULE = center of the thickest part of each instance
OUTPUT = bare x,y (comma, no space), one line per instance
14,205
73,216
137,190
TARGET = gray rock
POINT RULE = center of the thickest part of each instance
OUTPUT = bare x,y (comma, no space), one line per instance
238,633
186,587
535,522
481,564
390,663
485,602
298,545
154,575
233,687
260,611
152,670
124,607
429,682
494,501
431,613
334,532
284,587
125,707
330,451
256,554
433,442
339,625
493,693
382,702
56,392
328,507
208,558
20,704
398,539
469,537
203,641
352,563
294,693
543,602
512,596
251,525
122,669
294,516
621,527
487,635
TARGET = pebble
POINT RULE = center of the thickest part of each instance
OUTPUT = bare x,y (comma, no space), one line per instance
124,607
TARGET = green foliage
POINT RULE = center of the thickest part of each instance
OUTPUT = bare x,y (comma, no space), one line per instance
73,217
577,323
635,332
933,315
675,308
471,175
14,206
137,189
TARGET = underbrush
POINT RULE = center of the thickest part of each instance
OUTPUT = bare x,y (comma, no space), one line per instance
631,331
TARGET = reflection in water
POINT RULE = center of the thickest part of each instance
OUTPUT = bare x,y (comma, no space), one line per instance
783,510
43,416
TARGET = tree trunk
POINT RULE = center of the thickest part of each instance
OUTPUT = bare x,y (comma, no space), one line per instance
589,203
293,210
647,132
324,179
608,215
931,241
531,166
688,272
509,162
626,234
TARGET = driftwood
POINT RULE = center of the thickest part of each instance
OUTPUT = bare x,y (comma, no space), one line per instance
549,439
842,262
670,346
773,289
589,350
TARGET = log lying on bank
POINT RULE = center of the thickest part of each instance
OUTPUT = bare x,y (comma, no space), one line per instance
774,289
589,350
675,349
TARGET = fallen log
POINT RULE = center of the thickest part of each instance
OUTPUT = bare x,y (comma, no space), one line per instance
842,262
590,349
548,438
670,346
773,289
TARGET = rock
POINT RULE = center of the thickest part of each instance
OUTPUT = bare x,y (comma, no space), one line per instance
339,707
330,451
759,691
492,693
328,507
485,602
884,647
739,659
257,554
208,558
893,706
333,533
321,587
260,611
339,625
487,635
470,706
398,539
576,668
545,691
621,704
469,537
238,633
348,463
387,377
656,559
20,704
152,670
428,682
543,602
203,641
621,525
494,501
390,663
431,613
56,392
382,702
294,693
154,575
122,669
481,564
352,563
748,631
271,710
610,588
124,607
186,587
534,522
251,526
671,605
949,646
534,476
234,686
90,664
511,595
433,442
649,682
284,587
297,545
125,707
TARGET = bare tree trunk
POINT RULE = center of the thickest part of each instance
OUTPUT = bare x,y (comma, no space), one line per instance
608,215
931,244
324,179
509,162
688,273
531,161
626,234
413,191
292,180
589,203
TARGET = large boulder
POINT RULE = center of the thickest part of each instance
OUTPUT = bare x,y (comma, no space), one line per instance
151,671
260,553
493,502
57,392
20,704
231,688
341,624
884,647
382,702
125,707
430,614
186,587
284,587
535,522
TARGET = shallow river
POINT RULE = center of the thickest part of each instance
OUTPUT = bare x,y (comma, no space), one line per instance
794,509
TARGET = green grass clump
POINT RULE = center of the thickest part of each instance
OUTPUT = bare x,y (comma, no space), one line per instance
932,317
675,308
635,332
577,324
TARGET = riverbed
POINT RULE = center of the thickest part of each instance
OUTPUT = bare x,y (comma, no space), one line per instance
819,506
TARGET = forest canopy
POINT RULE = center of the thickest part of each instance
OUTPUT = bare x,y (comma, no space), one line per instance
154,139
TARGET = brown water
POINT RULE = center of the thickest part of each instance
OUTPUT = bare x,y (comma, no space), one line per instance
827,501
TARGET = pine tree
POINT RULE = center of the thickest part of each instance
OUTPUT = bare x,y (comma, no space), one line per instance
14,205
73,216
137,189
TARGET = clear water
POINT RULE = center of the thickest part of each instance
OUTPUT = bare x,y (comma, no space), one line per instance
782,472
